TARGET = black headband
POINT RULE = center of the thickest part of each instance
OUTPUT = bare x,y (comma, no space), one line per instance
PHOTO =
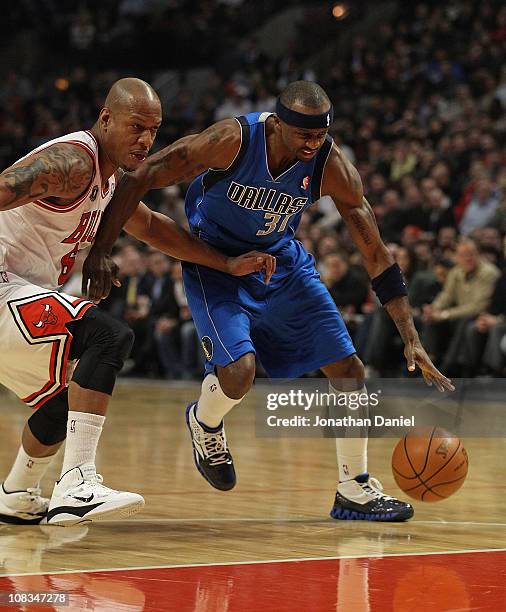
302,120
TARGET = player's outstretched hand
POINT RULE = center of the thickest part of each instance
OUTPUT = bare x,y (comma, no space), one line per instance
100,272
416,356
253,261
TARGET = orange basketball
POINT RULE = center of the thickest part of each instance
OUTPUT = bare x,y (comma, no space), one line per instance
429,464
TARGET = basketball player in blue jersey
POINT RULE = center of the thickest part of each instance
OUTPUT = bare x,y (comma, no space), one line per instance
252,178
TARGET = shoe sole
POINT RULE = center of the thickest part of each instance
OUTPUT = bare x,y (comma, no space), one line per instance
7,519
114,513
344,514
201,472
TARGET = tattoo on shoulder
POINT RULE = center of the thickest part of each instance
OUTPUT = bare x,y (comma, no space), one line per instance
213,136
361,226
62,170
182,152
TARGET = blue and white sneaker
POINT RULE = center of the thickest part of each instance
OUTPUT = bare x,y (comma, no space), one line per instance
362,499
211,454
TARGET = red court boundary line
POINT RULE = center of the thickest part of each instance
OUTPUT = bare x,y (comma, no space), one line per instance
256,562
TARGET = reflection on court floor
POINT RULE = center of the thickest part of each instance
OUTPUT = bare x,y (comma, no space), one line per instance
268,544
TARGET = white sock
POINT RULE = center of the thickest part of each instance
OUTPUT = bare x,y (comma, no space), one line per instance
351,457
83,433
351,452
213,404
26,471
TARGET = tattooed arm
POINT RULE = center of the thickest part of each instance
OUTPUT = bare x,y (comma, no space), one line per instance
215,147
62,171
342,183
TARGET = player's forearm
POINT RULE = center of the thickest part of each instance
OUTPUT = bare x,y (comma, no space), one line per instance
171,165
363,228
8,200
379,262
17,188
126,198
399,310
168,237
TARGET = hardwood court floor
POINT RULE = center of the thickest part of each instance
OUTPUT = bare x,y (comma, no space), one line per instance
278,511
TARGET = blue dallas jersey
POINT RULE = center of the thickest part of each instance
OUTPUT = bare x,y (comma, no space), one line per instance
245,208
292,324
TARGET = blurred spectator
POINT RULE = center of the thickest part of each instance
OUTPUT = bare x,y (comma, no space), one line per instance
436,209
192,355
348,288
481,208
482,351
125,302
234,105
466,292
446,242
157,286
390,216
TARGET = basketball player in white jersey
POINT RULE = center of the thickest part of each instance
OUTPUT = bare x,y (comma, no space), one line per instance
51,203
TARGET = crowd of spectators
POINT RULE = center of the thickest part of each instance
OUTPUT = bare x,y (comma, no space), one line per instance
420,110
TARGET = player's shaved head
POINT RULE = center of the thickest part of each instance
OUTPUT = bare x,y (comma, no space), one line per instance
130,92
304,93
128,123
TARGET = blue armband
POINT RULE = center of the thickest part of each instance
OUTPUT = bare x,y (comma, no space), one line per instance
389,284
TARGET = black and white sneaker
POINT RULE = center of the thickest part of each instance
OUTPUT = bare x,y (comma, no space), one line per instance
22,507
80,497
212,457
362,499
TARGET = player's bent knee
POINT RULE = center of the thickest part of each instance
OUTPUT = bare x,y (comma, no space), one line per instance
354,368
349,368
124,340
236,378
48,423
101,343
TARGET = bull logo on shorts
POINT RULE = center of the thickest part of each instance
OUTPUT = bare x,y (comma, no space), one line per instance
46,318
207,347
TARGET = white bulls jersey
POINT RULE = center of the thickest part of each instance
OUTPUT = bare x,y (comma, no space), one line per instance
40,240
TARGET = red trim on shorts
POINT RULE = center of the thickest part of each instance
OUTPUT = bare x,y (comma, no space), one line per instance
53,364
52,370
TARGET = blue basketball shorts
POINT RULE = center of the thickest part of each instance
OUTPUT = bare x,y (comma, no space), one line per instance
292,324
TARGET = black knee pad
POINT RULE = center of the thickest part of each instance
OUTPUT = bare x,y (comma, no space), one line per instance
49,422
101,343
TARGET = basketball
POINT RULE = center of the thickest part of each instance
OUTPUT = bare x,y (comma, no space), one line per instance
429,464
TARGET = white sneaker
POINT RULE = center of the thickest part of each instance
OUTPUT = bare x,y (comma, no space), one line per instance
80,497
22,507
